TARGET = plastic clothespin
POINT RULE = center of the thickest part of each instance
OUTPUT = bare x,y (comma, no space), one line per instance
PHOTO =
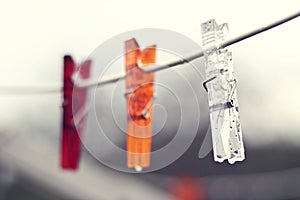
139,97
74,110
222,98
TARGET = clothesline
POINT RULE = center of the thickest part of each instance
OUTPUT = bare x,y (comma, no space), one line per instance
42,89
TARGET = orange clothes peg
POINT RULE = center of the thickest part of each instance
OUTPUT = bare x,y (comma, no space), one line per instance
139,96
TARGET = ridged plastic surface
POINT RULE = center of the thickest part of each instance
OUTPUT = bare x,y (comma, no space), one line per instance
222,98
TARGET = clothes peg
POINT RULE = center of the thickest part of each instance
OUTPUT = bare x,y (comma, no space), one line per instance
74,110
222,98
139,97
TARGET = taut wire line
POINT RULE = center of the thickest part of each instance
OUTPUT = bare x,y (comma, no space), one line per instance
44,89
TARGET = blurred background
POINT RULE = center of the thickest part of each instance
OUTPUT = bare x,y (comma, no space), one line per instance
35,35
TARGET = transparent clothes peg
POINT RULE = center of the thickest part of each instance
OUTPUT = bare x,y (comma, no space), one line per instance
222,98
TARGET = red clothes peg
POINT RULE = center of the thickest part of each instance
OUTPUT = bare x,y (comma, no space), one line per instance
73,110
139,95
